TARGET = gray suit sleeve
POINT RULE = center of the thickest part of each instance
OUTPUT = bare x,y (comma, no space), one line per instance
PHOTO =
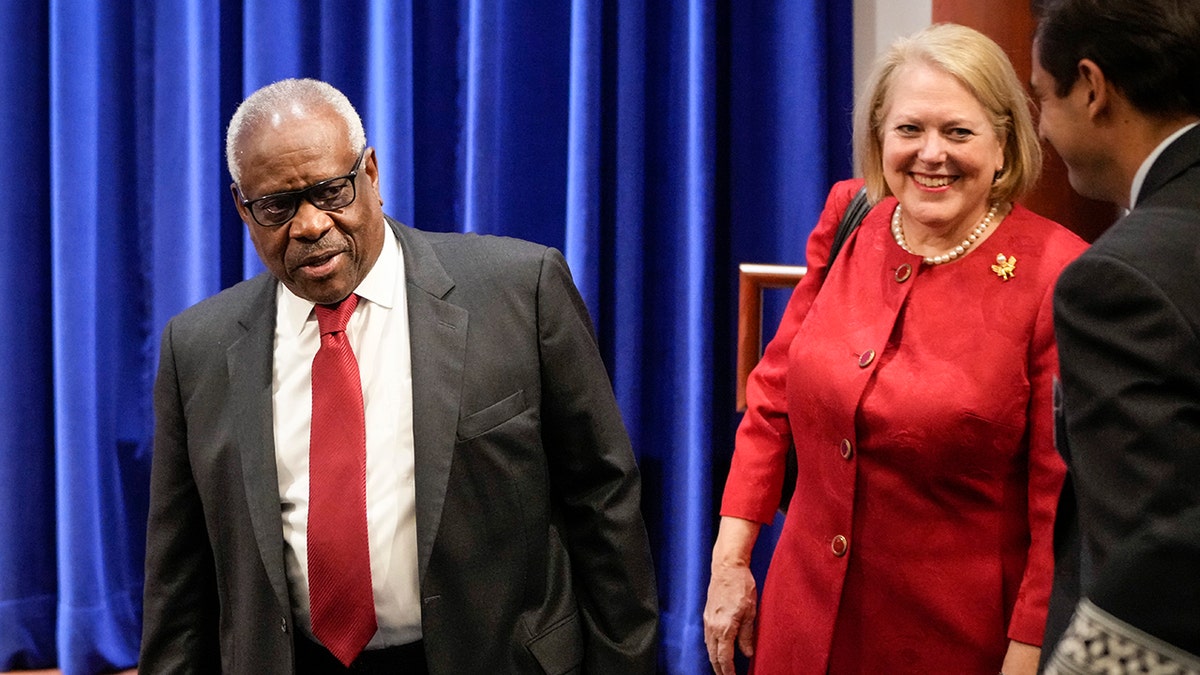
595,477
179,633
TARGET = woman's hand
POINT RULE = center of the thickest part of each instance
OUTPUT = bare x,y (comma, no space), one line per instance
1021,659
732,595
729,615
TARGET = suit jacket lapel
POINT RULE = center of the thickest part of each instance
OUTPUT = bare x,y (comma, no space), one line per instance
1175,159
249,361
438,334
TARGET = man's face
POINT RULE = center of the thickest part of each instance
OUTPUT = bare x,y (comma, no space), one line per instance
1066,124
319,255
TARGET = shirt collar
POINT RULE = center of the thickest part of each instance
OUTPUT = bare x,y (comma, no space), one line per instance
1140,176
379,287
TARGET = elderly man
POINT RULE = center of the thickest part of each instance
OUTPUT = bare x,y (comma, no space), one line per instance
1119,90
397,451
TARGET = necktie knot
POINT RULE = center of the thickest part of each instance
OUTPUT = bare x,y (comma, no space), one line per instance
333,318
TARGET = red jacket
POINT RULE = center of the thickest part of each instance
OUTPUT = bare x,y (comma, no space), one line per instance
919,536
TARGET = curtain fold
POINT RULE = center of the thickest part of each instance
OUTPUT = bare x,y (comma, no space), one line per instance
27,517
657,144
96,337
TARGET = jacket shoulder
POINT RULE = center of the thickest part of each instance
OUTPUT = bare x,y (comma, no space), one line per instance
482,246
488,258
227,306
1055,245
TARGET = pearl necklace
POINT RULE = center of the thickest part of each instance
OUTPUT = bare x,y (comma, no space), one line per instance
952,254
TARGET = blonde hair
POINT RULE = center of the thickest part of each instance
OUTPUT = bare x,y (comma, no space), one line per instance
978,64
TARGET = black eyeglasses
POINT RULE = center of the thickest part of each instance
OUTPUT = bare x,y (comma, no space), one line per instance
277,209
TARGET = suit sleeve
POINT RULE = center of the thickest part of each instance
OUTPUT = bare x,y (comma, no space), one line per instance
1131,386
595,478
180,624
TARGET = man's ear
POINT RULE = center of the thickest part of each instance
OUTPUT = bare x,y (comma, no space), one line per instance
1096,86
371,168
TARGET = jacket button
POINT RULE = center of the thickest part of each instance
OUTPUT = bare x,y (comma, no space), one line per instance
839,546
866,358
847,448
903,272
283,624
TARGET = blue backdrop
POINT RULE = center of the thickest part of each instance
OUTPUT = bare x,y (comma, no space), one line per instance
657,143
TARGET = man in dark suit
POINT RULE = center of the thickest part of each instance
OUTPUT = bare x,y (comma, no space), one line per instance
1119,87
490,515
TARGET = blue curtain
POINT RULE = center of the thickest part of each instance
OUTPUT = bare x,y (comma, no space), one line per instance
658,144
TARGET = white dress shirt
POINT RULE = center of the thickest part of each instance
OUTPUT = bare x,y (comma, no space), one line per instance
378,333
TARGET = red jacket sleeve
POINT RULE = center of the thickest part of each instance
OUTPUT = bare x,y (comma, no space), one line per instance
1046,472
755,480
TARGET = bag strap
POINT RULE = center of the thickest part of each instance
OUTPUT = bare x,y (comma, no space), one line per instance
851,219
856,210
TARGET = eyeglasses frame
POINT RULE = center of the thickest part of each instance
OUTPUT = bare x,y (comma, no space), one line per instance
304,193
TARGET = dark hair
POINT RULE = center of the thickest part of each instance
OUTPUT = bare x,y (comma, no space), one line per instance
1148,49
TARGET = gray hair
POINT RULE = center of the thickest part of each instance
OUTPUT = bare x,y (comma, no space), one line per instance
283,94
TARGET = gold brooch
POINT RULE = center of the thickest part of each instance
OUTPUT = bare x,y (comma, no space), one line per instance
1004,267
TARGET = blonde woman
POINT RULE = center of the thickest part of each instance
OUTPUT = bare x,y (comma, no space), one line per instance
913,378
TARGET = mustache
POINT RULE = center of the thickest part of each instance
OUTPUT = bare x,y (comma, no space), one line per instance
313,254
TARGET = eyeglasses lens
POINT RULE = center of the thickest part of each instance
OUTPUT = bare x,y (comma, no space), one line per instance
328,196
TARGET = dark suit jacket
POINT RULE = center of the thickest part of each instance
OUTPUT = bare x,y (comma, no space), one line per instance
533,556
1127,318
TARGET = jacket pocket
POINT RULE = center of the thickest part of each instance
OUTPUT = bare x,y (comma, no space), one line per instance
489,418
559,650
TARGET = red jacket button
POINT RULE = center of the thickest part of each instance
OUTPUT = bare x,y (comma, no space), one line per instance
839,546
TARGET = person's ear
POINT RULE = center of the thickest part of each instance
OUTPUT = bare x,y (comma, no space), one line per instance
1096,87
371,168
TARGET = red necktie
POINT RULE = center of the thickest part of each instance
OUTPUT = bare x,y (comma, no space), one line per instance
339,563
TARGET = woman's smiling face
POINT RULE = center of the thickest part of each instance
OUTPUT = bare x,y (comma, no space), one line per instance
940,151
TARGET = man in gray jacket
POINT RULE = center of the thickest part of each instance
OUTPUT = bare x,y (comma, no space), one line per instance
438,481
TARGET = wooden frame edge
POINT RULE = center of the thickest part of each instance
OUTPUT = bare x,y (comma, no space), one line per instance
752,279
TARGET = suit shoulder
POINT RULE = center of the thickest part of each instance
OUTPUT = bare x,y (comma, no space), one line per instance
483,245
1155,238
227,306
489,257
1161,228
1156,244
841,192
